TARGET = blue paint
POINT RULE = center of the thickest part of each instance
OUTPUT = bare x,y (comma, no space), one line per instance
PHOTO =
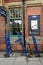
7,41
34,17
21,42
35,43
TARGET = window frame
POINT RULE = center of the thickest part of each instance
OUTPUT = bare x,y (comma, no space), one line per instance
19,18
15,8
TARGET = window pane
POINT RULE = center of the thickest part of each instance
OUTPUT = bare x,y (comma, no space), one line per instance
11,13
20,12
16,26
14,13
10,26
17,12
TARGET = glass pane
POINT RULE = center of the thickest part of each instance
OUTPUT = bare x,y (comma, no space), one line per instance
17,12
11,22
20,12
10,13
14,13
17,24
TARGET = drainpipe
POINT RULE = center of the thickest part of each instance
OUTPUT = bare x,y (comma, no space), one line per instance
23,6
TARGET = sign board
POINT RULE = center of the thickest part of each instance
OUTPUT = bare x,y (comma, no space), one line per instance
34,24
3,12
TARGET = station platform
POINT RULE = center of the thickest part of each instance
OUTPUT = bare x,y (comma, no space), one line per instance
17,59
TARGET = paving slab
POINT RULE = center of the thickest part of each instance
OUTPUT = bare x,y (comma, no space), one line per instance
17,59
21,61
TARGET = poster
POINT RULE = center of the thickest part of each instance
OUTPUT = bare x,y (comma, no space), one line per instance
34,24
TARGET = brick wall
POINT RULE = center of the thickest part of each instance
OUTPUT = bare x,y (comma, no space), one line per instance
41,23
12,1
35,10
2,29
2,26
29,11
3,2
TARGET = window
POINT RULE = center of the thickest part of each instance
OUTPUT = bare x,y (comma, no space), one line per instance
15,13
34,24
15,26
15,21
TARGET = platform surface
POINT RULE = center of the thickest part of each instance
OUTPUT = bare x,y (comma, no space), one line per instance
21,61
16,59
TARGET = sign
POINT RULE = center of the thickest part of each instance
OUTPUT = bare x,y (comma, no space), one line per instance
3,12
34,24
